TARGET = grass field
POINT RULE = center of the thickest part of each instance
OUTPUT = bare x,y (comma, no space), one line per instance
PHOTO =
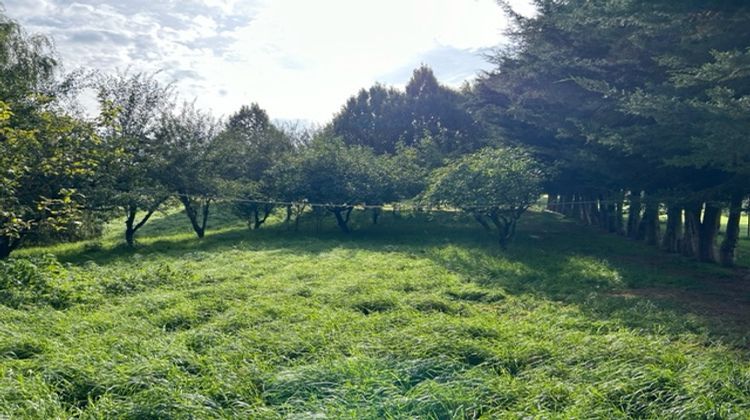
418,317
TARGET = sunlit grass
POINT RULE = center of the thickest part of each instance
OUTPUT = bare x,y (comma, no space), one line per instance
420,316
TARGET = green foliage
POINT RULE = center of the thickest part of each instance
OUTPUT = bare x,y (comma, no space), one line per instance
244,156
131,108
329,173
384,118
43,170
499,184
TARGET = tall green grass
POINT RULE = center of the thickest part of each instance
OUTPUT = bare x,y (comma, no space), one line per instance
420,316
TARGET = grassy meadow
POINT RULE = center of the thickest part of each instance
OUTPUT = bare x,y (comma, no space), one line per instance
420,316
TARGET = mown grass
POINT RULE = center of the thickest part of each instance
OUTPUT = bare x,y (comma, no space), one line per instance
421,316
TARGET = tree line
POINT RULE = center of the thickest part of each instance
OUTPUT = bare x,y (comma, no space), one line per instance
641,107
622,112
145,148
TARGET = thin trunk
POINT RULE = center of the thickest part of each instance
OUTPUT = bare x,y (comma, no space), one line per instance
634,215
131,227
506,228
594,213
298,210
206,208
673,232
604,213
568,207
375,215
340,219
585,208
690,235
199,227
288,214
649,229
617,219
257,219
732,235
709,229
551,202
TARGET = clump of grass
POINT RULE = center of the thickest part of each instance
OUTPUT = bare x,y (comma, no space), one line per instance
372,304
21,348
33,281
435,304
145,278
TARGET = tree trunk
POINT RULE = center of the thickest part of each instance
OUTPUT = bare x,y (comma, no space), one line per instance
690,235
649,228
732,235
506,228
634,215
131,227
594,212
604,213
257,219
671,240
340,219
568,207
709,229
584,209
288,214
552,202
617,219
204,222
192,213
375,215
298,210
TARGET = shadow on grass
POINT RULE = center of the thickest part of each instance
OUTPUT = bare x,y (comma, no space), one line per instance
606,276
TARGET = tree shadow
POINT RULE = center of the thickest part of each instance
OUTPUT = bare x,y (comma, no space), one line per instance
605,276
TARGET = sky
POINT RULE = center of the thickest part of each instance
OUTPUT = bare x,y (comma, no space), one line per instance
299,59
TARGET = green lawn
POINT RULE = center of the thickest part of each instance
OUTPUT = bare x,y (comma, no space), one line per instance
417,317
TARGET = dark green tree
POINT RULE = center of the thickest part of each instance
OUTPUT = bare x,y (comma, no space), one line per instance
246,151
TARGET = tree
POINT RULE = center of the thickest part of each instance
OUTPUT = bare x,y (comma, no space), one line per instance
183,144
600,90
494,184
46,156
131,110
245,151
383,118
336,176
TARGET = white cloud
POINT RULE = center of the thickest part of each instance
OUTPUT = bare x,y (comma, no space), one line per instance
298,59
